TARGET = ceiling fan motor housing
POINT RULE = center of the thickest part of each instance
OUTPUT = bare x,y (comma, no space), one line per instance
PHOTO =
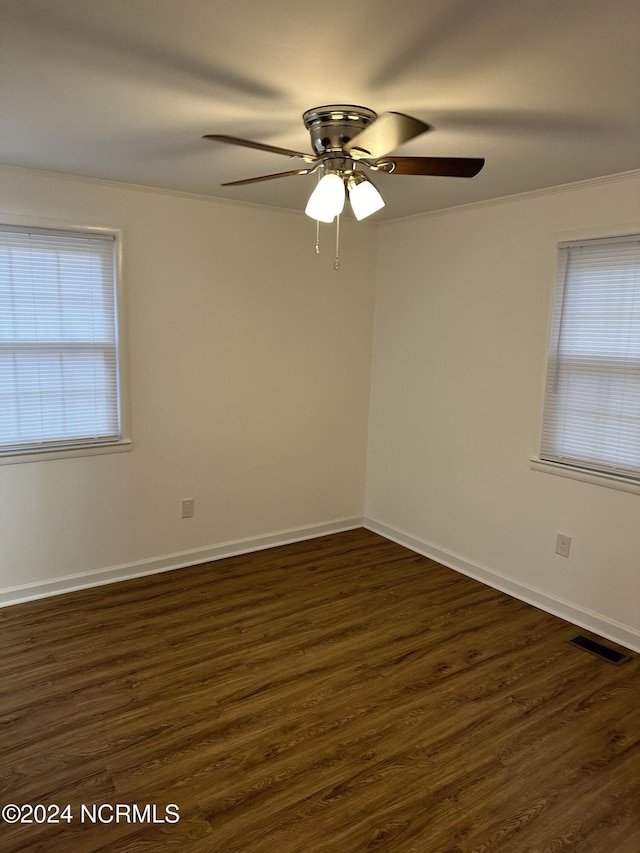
331,127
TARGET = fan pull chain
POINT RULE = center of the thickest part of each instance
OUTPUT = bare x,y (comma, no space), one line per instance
318,176
336,263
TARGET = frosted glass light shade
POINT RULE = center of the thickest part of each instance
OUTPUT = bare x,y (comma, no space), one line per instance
327,200
365,198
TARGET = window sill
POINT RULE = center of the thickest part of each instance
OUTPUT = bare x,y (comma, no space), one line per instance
610,481
61,453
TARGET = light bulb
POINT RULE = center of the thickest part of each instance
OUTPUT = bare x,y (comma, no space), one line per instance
364,197
327,200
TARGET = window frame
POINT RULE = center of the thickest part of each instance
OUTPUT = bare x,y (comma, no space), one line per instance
583,473
124,442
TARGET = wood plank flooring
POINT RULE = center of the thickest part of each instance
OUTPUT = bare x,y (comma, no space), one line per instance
332,696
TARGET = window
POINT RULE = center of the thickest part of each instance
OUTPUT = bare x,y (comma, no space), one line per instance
59,371
592,398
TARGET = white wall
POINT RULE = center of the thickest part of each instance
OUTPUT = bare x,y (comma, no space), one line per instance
462,312
249,380
249,375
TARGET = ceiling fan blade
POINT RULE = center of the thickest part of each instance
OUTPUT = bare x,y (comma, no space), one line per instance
260,146
385,134
266,178
449,167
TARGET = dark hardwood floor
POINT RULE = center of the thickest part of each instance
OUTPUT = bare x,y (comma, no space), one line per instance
332,696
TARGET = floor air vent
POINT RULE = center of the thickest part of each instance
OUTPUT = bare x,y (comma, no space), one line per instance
604,652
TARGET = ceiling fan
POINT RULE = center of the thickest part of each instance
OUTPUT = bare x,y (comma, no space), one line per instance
346,140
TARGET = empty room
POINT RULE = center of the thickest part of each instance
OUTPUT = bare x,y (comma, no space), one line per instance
319,426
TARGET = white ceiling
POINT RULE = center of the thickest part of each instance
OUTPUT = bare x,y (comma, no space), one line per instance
548,91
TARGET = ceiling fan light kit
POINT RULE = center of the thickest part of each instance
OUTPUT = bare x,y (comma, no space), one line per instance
344,138
327,200
364,197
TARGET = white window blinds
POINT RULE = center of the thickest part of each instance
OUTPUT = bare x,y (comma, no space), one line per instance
58,340
592,399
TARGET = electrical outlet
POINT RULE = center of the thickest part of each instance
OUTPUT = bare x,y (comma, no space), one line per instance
187,508
563,544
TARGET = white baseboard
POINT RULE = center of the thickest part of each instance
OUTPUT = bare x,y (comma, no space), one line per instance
168,562
596,623
590,621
